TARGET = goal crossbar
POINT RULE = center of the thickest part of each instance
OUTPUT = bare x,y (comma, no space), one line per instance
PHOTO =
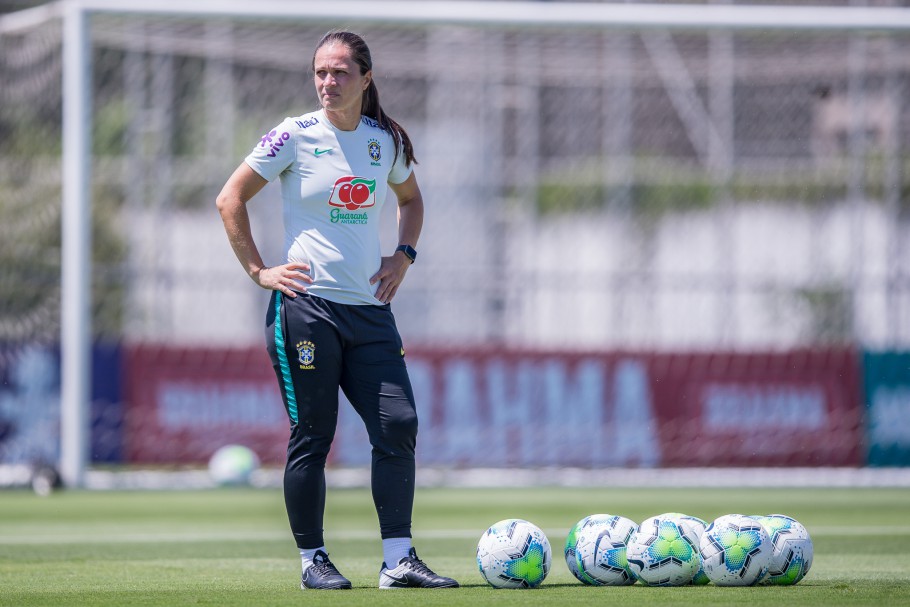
537,14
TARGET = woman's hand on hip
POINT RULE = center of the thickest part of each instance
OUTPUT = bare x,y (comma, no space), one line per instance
286,278
390,276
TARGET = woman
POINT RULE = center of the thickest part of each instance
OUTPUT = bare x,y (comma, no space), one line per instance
329,323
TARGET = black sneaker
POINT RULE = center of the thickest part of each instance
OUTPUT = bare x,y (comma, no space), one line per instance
411,572
323,575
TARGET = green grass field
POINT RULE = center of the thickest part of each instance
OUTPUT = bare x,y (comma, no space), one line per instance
232,547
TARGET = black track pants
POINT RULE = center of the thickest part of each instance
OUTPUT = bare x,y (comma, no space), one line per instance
316,347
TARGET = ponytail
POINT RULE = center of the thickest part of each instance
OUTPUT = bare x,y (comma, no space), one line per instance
370,106
372,109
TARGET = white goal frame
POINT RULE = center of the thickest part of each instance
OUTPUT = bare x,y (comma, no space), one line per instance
76,231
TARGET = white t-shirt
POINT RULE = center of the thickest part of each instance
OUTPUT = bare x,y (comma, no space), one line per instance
333,184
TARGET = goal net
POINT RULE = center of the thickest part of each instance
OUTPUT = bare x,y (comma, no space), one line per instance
607,203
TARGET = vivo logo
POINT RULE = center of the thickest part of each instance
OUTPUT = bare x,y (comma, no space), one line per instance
274,142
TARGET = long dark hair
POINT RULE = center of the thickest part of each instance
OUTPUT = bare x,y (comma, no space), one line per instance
370,107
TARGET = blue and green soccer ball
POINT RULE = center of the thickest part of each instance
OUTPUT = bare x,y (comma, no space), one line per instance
233,465
600,552
572,540
664,552
698,526
736,550
514,553
792,552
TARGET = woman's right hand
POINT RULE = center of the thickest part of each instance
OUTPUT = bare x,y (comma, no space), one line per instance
285,278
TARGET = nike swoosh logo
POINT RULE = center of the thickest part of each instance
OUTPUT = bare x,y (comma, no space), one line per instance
319,152
396,581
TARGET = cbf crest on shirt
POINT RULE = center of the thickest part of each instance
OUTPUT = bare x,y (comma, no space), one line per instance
333,184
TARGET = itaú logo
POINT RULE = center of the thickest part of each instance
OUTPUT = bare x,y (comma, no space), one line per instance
353,193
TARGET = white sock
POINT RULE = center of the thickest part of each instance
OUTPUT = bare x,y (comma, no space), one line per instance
307,554
394,549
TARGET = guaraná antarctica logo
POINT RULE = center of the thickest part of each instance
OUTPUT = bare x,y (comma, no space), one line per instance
306,354
352,193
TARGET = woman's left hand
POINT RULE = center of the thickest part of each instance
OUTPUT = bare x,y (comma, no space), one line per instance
390,276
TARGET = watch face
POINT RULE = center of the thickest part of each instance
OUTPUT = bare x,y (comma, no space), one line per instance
409,251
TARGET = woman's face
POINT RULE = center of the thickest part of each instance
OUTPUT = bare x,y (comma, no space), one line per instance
339,83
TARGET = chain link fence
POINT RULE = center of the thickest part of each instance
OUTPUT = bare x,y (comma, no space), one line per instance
586,189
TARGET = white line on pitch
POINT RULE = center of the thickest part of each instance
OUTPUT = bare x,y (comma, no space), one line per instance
348,534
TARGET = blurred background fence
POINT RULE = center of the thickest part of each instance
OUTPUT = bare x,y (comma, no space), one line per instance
608,209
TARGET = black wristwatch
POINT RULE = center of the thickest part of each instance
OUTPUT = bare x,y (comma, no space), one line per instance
409,251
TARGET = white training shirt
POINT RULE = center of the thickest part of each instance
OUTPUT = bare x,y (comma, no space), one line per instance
333,184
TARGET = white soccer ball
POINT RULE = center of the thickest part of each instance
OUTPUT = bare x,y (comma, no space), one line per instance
600,552
663,552
698,527
791,556
233,465
572,540
514,553
735,550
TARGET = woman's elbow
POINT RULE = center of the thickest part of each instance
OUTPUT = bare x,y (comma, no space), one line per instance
224,202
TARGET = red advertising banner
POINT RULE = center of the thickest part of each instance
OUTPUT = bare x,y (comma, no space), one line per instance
181,404
495,408
800,408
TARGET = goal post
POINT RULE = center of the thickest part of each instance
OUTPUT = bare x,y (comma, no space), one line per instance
76,325
690,96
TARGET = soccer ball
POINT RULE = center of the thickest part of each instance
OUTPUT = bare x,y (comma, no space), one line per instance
514,553
698,526
600,552
233,465
663,552
572,540
792,552
735,550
